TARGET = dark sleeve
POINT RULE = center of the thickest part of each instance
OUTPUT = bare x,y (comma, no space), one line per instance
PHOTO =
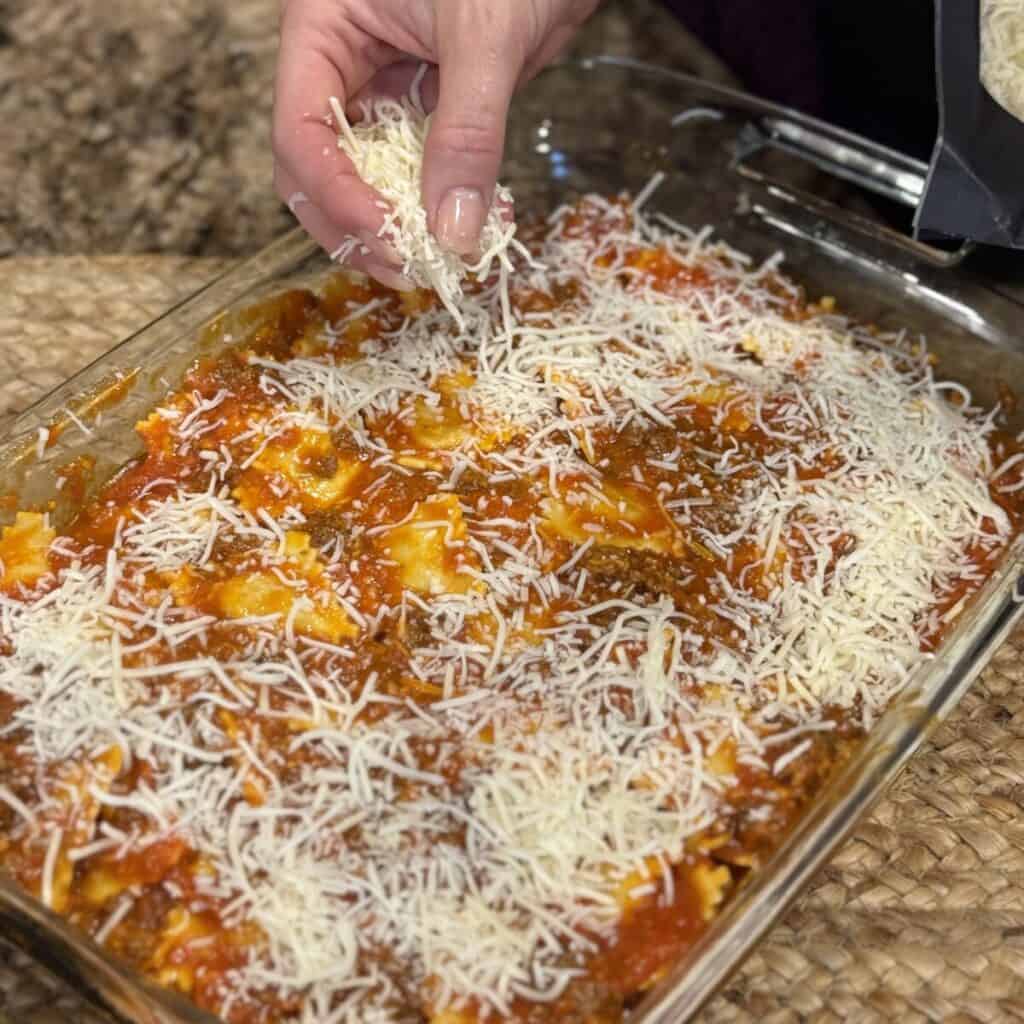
774,46
867,65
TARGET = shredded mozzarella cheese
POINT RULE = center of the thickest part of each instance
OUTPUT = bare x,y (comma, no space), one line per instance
562,758
386,146
1002,53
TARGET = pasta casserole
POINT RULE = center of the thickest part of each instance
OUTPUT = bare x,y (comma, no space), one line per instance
425,669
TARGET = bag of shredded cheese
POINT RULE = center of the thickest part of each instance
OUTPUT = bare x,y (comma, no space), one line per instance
975,186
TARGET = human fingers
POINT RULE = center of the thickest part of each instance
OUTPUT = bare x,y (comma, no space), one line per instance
370,255
550,49
395,82
481,54
304,138
399,81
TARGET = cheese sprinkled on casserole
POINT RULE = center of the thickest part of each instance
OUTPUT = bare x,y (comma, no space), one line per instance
458,668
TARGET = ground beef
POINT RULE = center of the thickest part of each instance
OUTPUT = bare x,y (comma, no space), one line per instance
471,482
645,572
271,327
417,628
152,907
638,441
346,445
327,526
137,936
323,466
787,792
411,629
126,819
586,1001
232,373
232,545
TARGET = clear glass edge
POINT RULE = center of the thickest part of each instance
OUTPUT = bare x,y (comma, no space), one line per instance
933,691
194,311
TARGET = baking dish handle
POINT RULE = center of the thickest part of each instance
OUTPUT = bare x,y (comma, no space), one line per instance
863,163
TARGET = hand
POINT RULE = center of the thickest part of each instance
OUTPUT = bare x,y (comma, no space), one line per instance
481,50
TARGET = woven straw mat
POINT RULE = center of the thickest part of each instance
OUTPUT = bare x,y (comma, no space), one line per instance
920,917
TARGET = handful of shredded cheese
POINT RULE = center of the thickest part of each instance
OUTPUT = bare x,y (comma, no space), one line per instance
386,147
1002,53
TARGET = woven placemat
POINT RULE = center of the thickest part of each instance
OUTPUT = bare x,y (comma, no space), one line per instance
920,917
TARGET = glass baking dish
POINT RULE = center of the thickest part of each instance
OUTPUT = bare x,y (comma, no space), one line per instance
604,125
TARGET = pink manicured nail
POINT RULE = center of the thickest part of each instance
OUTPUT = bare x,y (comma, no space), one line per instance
389,278
460,219
383,252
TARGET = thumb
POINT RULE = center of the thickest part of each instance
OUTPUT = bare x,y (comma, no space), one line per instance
480,63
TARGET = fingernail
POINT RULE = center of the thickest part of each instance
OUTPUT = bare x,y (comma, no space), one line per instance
460,219
383,252
296,199
389,278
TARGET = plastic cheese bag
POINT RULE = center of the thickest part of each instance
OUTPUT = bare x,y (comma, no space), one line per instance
975,186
